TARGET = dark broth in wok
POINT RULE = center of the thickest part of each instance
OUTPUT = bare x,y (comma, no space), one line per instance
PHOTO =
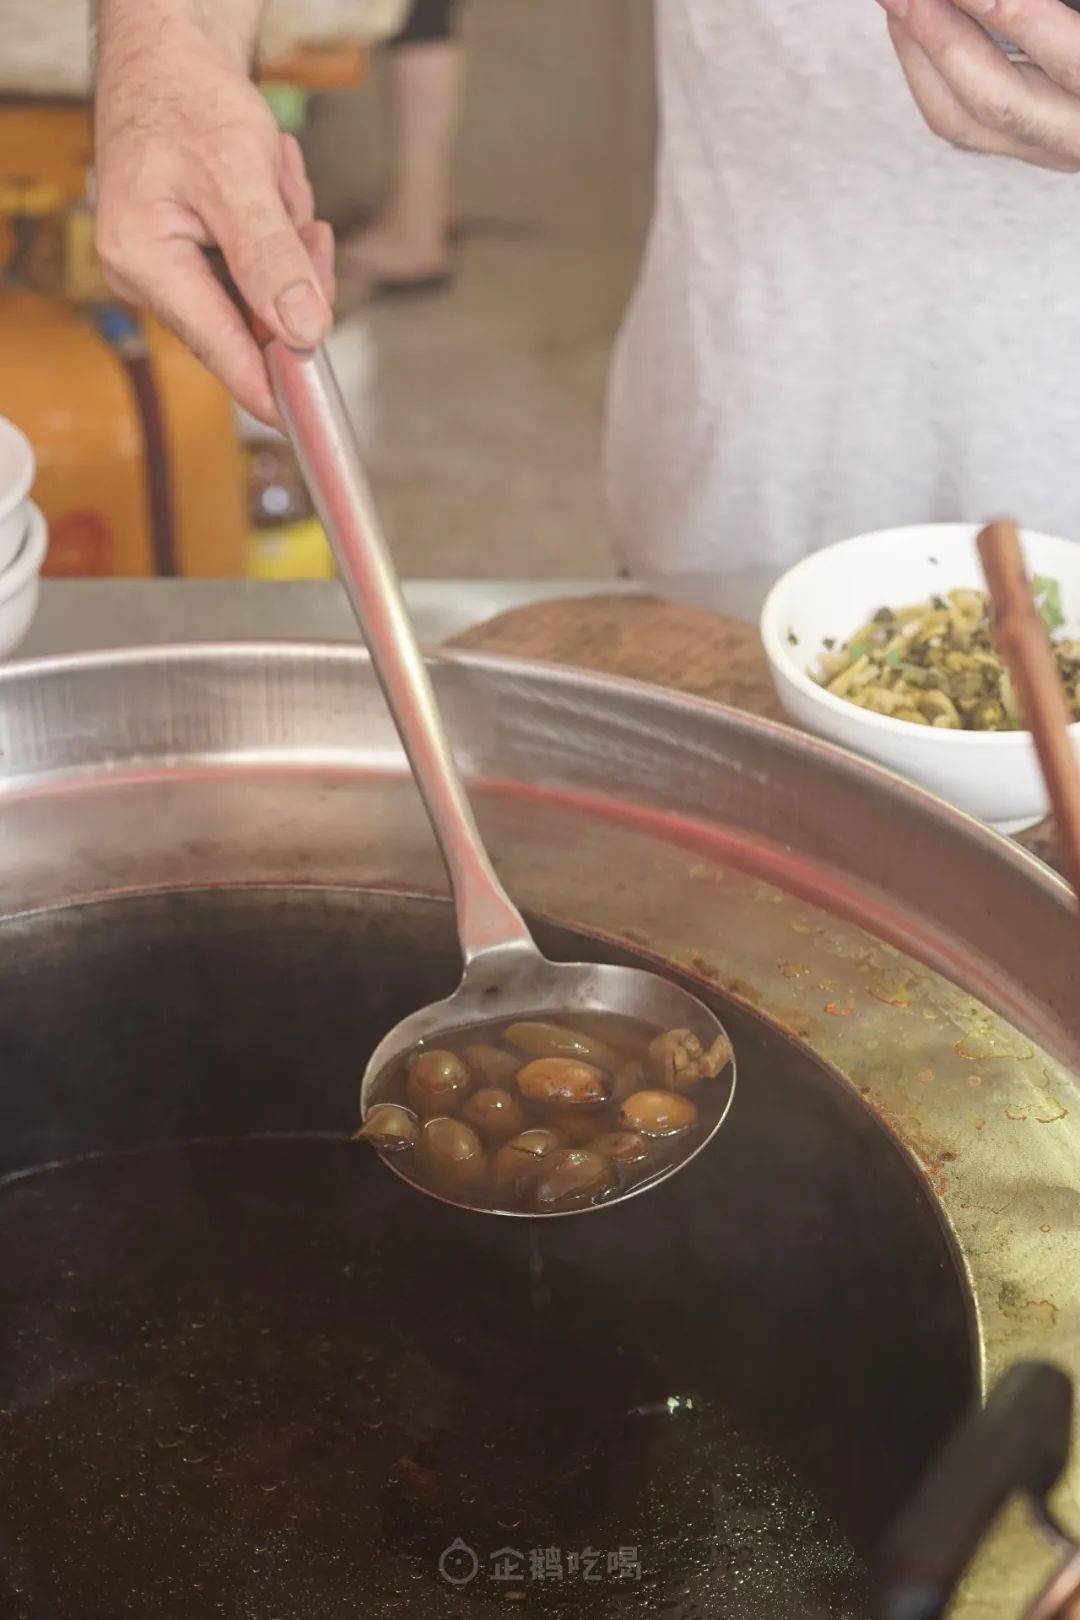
250,1396
252,1376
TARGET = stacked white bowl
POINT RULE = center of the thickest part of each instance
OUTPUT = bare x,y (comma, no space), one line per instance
23,537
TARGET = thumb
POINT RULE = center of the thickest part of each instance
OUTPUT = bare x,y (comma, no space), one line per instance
273,269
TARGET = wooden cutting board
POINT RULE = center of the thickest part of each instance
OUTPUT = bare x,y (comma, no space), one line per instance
685,648
681,647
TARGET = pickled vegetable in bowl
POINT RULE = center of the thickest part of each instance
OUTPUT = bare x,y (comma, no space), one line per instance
542,1118
936,663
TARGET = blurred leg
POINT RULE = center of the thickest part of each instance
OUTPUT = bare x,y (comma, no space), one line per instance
423,80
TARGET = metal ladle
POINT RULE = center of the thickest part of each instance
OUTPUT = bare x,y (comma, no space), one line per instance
505,974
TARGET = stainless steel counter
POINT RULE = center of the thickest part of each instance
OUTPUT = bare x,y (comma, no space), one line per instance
86,615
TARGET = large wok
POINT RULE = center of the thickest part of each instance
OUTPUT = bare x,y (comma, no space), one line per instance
245,1372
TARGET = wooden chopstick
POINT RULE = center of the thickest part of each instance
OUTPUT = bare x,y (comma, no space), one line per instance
1024,644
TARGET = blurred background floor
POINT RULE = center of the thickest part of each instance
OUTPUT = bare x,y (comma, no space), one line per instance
481,407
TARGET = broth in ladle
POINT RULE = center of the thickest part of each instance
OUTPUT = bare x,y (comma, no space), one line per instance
542,1118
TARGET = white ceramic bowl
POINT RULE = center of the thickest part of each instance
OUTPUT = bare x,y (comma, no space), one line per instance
19,583
992,775
16,477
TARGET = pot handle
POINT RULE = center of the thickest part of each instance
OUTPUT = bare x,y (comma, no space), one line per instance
1017,1442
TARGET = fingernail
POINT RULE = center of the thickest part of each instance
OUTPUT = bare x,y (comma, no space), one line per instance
895,8
303,313
981,8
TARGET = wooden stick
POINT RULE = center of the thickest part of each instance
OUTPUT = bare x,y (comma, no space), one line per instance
1022,639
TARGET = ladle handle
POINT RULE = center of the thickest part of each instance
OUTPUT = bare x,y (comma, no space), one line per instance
313,410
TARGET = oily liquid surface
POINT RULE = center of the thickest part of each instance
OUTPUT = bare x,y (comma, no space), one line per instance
248,1380
616,1049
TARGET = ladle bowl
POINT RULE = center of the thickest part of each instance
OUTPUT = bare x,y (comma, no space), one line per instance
518,981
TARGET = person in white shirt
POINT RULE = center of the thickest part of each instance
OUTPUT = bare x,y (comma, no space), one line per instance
844,323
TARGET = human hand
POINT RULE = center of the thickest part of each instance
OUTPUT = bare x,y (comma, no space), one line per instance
969,91
188,154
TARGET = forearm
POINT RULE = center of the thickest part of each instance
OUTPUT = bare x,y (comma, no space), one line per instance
129,30
152,52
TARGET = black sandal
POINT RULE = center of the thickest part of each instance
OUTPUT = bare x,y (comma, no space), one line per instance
412,286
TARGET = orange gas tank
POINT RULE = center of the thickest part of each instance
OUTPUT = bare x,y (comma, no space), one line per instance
72,395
